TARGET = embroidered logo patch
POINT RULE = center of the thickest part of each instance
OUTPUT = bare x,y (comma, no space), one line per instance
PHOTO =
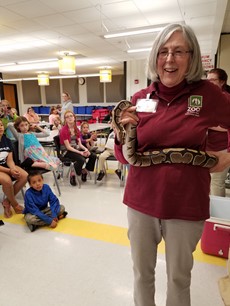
195,101
194,105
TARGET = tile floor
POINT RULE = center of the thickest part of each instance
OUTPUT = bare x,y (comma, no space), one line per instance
86,261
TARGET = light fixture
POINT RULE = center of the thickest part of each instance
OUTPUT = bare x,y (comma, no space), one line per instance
43,79
67,64
37,61
136,31
138,50
52,77
105,75
7,64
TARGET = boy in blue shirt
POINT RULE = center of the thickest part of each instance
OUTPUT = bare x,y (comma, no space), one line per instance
37,211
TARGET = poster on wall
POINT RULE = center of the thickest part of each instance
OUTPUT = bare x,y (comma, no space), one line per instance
207,61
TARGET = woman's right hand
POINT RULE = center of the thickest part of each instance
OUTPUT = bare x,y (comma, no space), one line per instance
129,116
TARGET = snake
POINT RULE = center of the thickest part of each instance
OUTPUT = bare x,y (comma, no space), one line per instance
127,135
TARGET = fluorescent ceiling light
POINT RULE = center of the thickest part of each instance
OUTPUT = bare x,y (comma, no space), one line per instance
22,46
7,64
38,61
39,66
138,50
89,75
135,31
52,77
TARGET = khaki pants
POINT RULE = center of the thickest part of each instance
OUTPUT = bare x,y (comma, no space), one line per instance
181,237
218,183
102,158
32,219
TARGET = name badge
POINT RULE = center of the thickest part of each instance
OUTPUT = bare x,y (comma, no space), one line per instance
147,105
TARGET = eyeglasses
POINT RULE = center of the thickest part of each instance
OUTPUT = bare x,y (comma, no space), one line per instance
212,80
176,54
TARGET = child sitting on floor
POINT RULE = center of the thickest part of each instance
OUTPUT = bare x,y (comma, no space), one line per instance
37,212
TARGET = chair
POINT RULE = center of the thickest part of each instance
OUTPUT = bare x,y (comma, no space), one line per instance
65,161
29,169
110,158
49,145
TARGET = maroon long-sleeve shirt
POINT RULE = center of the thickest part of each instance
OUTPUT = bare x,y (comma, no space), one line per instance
183,115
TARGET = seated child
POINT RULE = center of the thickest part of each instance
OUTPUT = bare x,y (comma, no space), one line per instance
53,114
29,146
37,211
109,150
87,138
57,125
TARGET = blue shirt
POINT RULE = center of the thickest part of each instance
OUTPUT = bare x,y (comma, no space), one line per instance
35,201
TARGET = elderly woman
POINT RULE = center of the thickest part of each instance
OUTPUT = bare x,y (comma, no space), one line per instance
172,199
9,172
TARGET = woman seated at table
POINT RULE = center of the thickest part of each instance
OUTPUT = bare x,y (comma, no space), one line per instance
31,116
9,172
73,148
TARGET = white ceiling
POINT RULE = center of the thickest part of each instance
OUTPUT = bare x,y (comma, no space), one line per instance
39,29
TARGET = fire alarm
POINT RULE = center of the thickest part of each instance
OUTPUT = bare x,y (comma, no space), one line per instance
136,81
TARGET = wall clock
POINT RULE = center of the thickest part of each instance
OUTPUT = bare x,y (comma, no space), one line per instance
81,81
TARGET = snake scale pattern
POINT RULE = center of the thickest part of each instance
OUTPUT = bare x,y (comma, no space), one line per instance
128,135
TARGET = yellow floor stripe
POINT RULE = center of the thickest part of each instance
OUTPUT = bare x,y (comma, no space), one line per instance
107,233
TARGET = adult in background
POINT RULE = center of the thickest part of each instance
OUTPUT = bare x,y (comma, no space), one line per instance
217,138
7,115
31,116
67,104
172,200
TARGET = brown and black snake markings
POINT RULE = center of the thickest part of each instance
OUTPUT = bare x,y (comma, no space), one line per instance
127,137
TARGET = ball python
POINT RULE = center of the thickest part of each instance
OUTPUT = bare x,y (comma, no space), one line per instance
127,137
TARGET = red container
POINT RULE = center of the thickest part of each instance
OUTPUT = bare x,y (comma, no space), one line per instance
215,239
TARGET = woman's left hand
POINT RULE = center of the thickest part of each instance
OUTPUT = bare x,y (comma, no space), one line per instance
223,161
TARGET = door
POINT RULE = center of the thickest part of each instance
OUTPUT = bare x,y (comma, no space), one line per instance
10,94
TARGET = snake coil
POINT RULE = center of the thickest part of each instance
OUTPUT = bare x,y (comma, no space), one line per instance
127,137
